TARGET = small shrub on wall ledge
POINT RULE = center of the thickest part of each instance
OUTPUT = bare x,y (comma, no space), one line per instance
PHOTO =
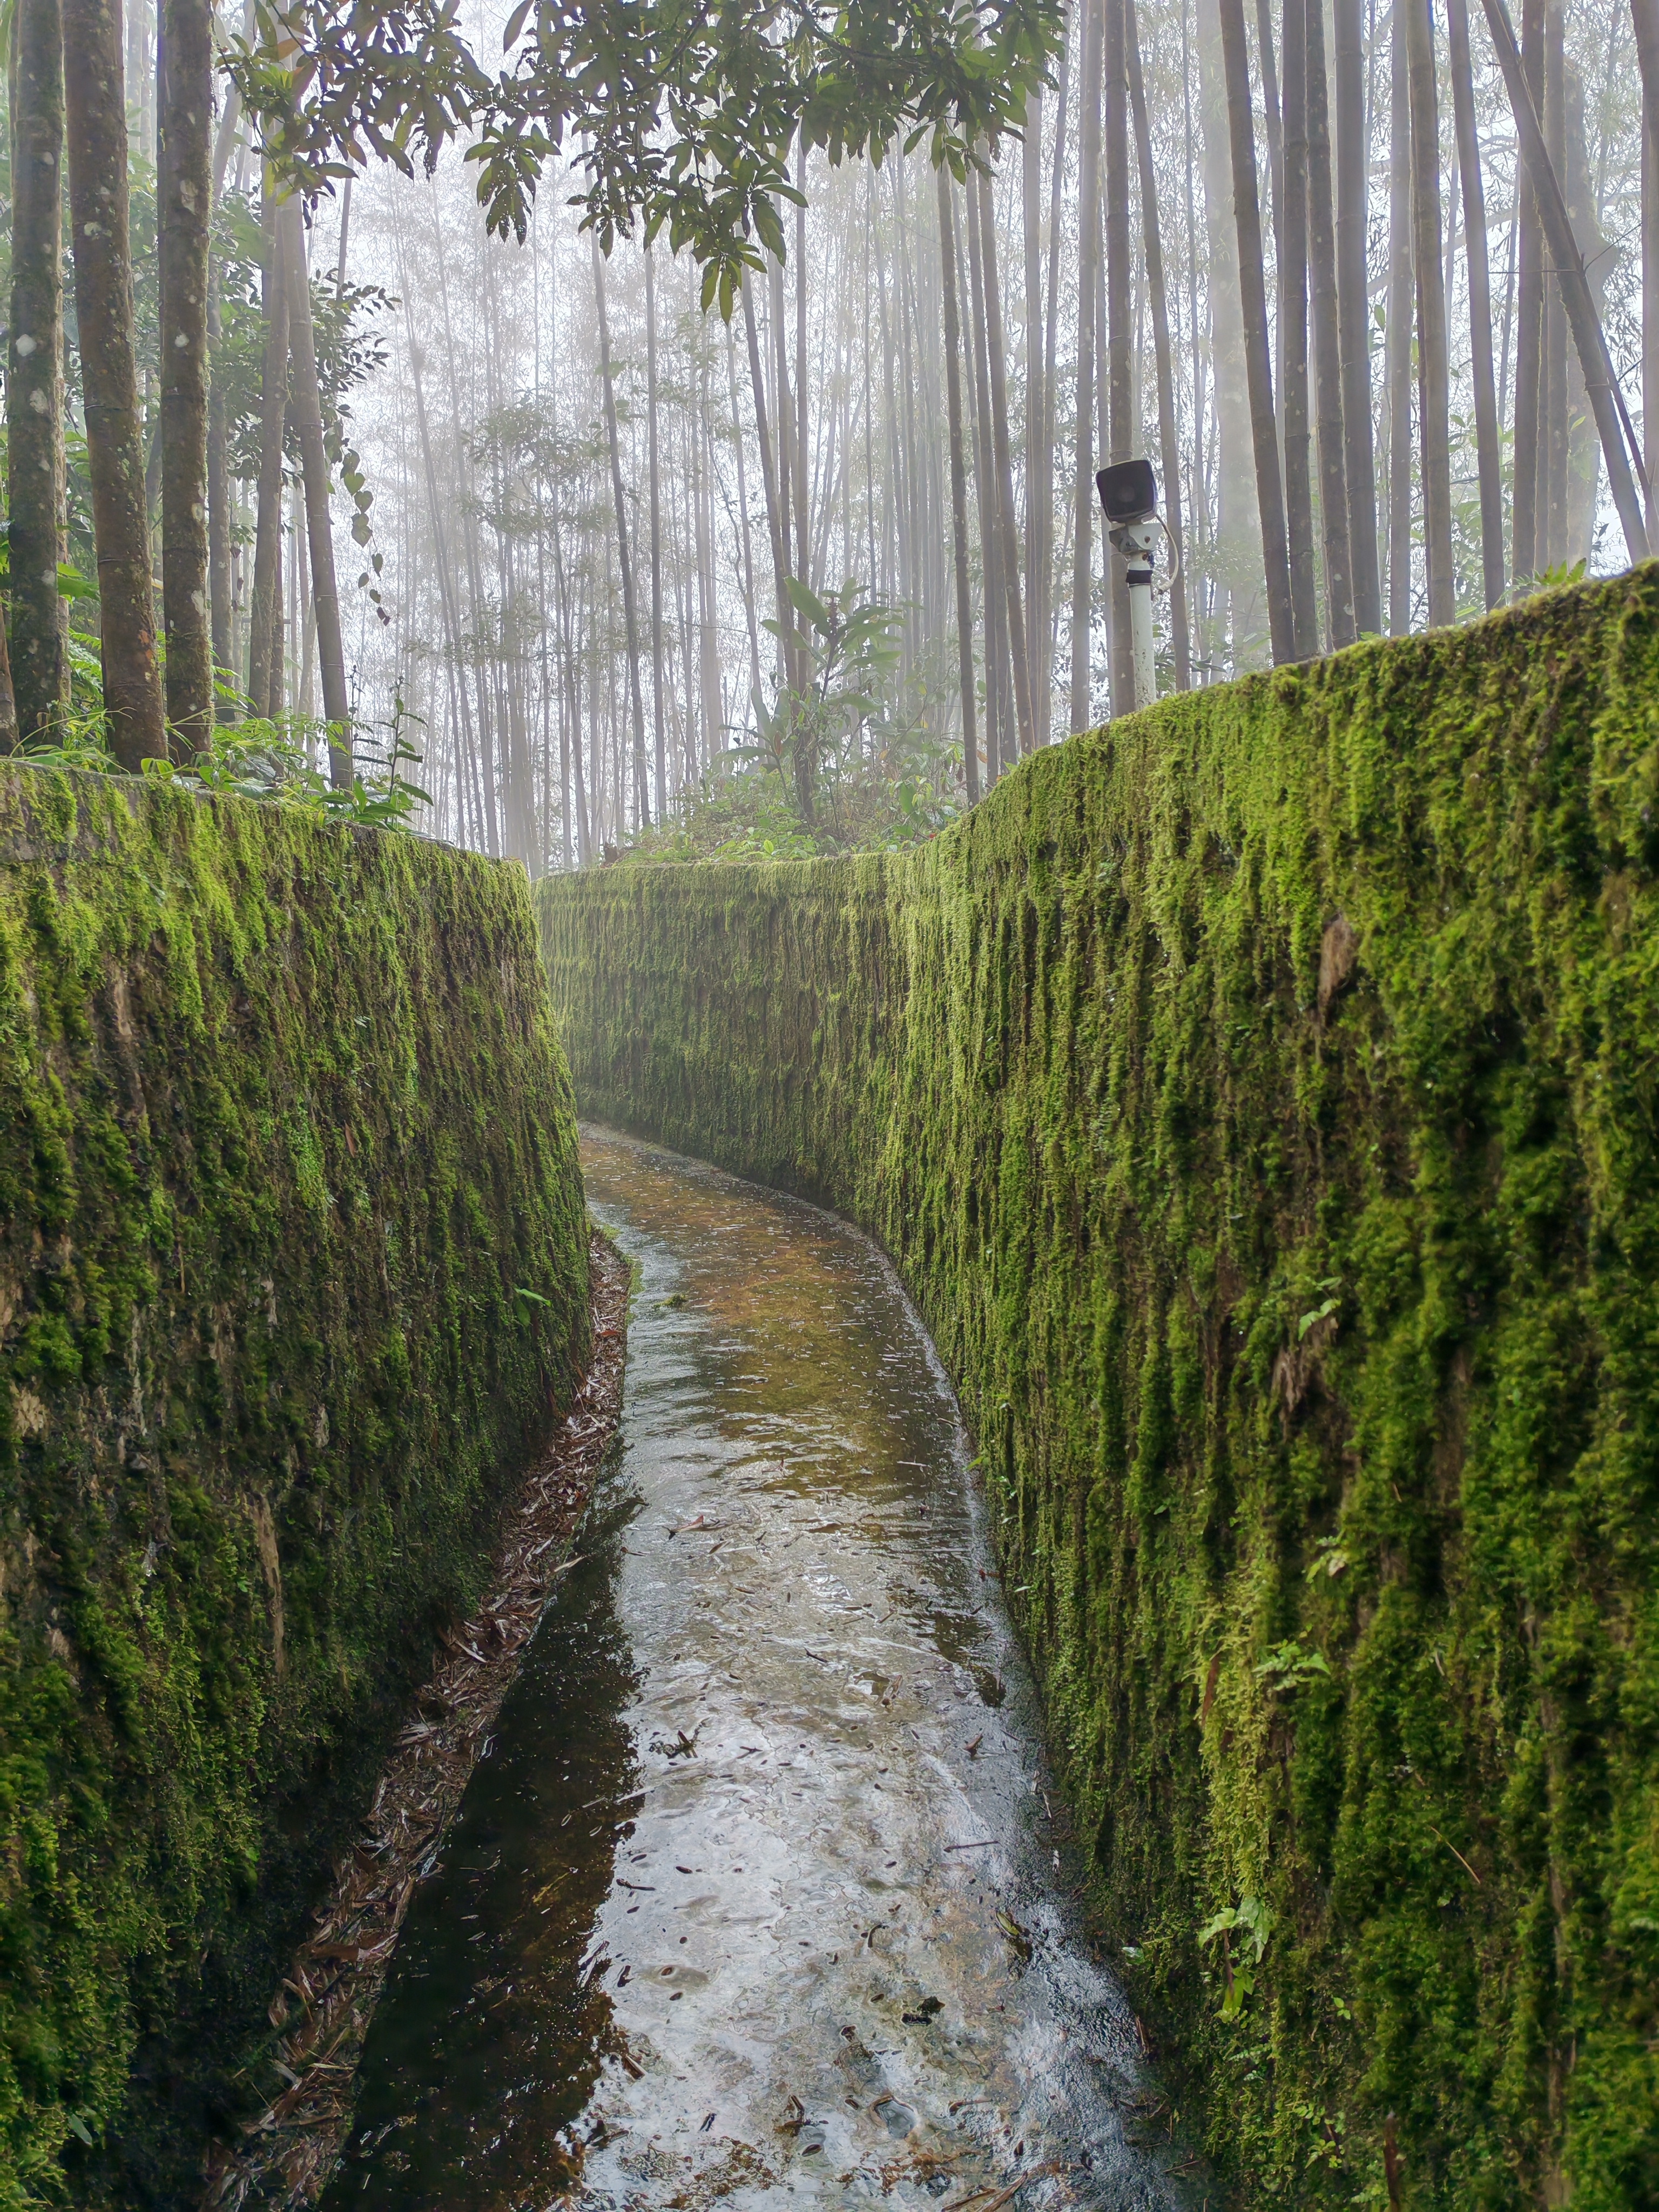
1261,1098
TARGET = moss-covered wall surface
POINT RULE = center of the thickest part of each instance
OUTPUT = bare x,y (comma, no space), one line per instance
293,1270
1261,1101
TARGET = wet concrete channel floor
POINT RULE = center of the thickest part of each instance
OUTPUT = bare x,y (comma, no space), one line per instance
756,1896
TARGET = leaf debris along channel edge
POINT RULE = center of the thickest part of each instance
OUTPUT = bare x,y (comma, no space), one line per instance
326,2001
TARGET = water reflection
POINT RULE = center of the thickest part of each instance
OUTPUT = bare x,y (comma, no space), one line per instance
757,1895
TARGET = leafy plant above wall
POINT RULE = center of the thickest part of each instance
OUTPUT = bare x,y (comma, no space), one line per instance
281,761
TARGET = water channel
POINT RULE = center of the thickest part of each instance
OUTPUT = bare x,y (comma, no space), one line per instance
757,1895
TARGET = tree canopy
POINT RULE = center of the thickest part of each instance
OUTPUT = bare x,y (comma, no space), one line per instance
683,114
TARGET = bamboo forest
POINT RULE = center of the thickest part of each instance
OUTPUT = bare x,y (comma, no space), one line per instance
807,564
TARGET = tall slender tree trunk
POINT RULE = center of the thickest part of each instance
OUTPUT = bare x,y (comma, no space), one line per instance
96,114
785,413
1433,373
1274,122
1399,332
1044,615
659,748
561,630
1199,341
1237,561
34,372
1584,198
264,660
308,422
802,443
468,781
744,535
999,743
1646,17
1530,492
641,805
280,701
219,506
1035,408
186,187
448,596
1002,447
714,737
769,488
143,16
1122,430
1169,447
914,487
1354,313
1294,406
303,630
896,517
1601,385
947,245
1328,343
572,724
1552,406
1089,92
488,761
1258,358
226,137
1488,452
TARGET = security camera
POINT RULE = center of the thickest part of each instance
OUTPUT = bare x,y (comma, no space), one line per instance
1128,492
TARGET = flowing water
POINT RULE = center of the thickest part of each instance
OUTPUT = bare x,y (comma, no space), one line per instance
757,1895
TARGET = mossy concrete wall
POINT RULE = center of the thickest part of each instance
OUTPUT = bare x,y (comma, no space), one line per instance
1260,1099
285,1141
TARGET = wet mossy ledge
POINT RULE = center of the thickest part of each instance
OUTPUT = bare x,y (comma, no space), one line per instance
1261,1099
292,1273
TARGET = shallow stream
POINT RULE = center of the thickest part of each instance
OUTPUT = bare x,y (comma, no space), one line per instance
757,1895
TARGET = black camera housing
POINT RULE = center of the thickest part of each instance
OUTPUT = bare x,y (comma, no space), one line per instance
1128,491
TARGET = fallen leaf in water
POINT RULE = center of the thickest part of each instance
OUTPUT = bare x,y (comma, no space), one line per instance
1016,1935
925,2011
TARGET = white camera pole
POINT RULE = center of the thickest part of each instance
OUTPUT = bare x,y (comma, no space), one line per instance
1128,493
1135,541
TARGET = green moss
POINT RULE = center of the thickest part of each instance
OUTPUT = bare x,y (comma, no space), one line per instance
1260,1098
283,1125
